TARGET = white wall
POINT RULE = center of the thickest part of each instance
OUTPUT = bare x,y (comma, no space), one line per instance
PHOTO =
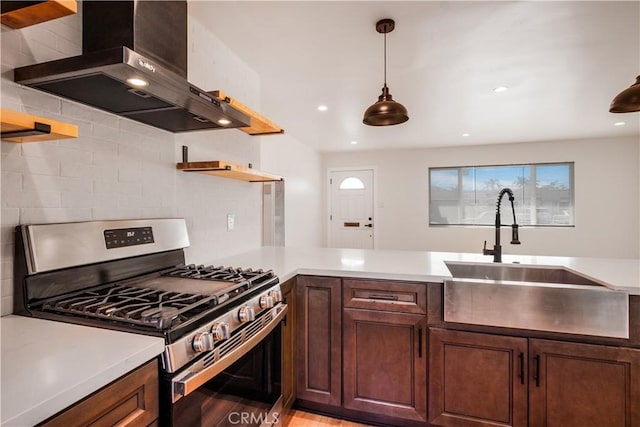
301,166
119,168
606,197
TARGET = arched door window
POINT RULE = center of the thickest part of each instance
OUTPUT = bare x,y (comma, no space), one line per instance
352,183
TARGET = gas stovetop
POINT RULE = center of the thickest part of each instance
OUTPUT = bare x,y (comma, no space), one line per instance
163,301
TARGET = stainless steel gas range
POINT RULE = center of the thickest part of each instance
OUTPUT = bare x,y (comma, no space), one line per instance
221,325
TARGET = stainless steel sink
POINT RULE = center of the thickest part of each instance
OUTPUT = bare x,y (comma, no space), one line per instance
518,272
536,297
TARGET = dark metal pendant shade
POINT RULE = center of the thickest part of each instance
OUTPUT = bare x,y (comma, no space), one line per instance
628,100
385,112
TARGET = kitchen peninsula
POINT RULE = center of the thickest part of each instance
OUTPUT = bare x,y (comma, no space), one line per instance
420,336
371,341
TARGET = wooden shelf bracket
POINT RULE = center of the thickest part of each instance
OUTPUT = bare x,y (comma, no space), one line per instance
38,129
225,170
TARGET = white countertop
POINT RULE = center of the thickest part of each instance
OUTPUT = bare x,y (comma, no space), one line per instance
616,274
47,365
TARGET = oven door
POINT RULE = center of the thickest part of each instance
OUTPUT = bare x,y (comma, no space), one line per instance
237,384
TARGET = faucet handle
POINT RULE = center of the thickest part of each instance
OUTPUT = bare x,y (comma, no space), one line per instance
514,235
486,251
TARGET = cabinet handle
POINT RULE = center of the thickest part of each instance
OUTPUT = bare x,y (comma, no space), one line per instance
420,343
536,369
521,360
284,320
385,297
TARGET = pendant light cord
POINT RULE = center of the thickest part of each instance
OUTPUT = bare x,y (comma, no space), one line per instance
385,59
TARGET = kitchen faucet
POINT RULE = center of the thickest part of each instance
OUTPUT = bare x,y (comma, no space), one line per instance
497,248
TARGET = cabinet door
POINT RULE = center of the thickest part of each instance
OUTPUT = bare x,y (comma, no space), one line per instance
477,379
288,346
581,385
131,401
385,363
319,339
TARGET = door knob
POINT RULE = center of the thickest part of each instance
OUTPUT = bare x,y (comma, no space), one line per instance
369,225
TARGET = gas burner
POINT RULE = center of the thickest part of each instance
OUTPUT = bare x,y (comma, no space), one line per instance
161,316
230,274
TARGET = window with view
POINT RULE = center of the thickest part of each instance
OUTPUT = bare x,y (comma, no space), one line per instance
467,195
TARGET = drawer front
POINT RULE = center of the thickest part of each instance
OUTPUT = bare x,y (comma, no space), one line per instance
385,295
131,401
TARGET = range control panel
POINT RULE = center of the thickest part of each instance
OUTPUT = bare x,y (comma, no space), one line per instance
121,237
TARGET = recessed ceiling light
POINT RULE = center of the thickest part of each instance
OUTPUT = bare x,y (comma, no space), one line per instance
224,122
137,82
322,108
465,134
354,142
500,89
619,123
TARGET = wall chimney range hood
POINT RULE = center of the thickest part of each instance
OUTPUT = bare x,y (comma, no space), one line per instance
134,64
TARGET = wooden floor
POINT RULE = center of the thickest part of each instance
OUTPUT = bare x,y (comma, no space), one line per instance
307,419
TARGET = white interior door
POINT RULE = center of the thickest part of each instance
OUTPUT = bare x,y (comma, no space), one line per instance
351,209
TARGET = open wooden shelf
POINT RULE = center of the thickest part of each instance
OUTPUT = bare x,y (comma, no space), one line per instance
228,170
260,125
20,14
22,127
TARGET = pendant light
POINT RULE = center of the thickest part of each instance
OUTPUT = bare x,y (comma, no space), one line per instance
386,111
628,100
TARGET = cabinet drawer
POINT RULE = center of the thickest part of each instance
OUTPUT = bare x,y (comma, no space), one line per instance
385,295
130,401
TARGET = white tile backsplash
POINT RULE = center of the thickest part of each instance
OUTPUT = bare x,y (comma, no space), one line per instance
119,168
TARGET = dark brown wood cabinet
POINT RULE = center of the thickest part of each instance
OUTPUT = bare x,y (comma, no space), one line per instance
582,385
385,358
385,363
288,349
131,401
477,379
319,340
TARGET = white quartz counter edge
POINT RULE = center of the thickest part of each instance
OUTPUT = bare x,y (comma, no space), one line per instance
47,365
616,274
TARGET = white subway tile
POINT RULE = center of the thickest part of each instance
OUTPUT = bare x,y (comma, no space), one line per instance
51,150
6,305
107,158
104,132
132,153
57,183
11,183
10,149
115,188
101,145
158,212
10,218
84,200
116,213
31,165
50,215
6,287
31,199
75,110
39,103
6,265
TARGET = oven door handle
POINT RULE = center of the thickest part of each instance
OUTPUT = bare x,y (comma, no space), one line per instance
195,376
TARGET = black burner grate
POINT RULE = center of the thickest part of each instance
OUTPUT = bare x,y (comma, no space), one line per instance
141,306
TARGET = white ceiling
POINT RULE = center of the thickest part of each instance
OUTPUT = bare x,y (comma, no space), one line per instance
562,60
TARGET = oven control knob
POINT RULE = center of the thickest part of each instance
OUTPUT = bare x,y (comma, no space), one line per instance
276,295
246,314
203,342
266,301
220,331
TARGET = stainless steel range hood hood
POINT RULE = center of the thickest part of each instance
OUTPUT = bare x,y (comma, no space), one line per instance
134,65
